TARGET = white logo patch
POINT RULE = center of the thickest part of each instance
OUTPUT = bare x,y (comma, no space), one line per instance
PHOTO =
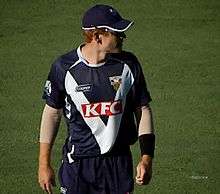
47,88
84,88
63,190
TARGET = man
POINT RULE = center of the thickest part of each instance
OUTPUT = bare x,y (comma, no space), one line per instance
98,88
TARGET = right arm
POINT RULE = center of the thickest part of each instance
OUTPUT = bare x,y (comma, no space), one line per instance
48,130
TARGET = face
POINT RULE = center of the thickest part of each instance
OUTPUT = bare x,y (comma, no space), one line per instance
111,43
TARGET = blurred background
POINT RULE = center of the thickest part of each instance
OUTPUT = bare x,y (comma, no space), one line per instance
177,43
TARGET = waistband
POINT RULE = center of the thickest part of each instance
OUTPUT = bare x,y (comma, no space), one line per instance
115,151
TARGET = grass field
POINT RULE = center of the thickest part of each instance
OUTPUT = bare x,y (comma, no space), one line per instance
178,43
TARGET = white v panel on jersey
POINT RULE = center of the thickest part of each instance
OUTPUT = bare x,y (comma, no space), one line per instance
105,135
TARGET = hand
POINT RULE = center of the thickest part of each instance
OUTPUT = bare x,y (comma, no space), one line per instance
144,170
46,178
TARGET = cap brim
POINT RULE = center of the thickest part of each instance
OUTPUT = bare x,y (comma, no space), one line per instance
120,26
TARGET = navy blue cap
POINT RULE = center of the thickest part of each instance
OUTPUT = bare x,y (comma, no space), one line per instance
104,16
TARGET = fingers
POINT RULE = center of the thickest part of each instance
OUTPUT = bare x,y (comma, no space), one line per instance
46,179
140,175
139,181
143,175
138,172
43,186
47,187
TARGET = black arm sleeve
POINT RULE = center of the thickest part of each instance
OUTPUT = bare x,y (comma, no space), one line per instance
147,144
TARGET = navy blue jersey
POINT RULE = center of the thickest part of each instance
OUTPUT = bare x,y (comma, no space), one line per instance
98,101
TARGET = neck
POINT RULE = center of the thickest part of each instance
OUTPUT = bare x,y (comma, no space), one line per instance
92,55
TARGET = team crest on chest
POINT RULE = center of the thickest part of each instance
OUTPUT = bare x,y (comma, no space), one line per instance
115,82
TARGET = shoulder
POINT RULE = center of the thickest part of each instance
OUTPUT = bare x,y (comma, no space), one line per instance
129,59
124,56
64,62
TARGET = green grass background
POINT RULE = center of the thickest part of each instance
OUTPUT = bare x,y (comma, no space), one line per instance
178,44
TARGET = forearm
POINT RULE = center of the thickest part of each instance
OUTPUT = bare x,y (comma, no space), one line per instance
49,124
45,154
48,131
146,132
145,121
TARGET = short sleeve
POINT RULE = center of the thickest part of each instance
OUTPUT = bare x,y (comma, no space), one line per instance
54,92
140,92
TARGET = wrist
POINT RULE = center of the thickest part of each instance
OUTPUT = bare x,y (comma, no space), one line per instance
44,164
44,155
147,159
147,144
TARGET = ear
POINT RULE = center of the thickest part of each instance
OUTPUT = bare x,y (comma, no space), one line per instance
98,38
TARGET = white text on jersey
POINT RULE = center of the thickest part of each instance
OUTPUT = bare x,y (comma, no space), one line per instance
102,108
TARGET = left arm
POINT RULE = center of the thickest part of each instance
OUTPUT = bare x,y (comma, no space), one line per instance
147,144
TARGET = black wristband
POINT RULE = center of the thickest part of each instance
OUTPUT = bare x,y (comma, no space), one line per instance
147,144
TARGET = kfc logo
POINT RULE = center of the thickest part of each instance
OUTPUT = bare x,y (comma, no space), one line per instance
102,108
